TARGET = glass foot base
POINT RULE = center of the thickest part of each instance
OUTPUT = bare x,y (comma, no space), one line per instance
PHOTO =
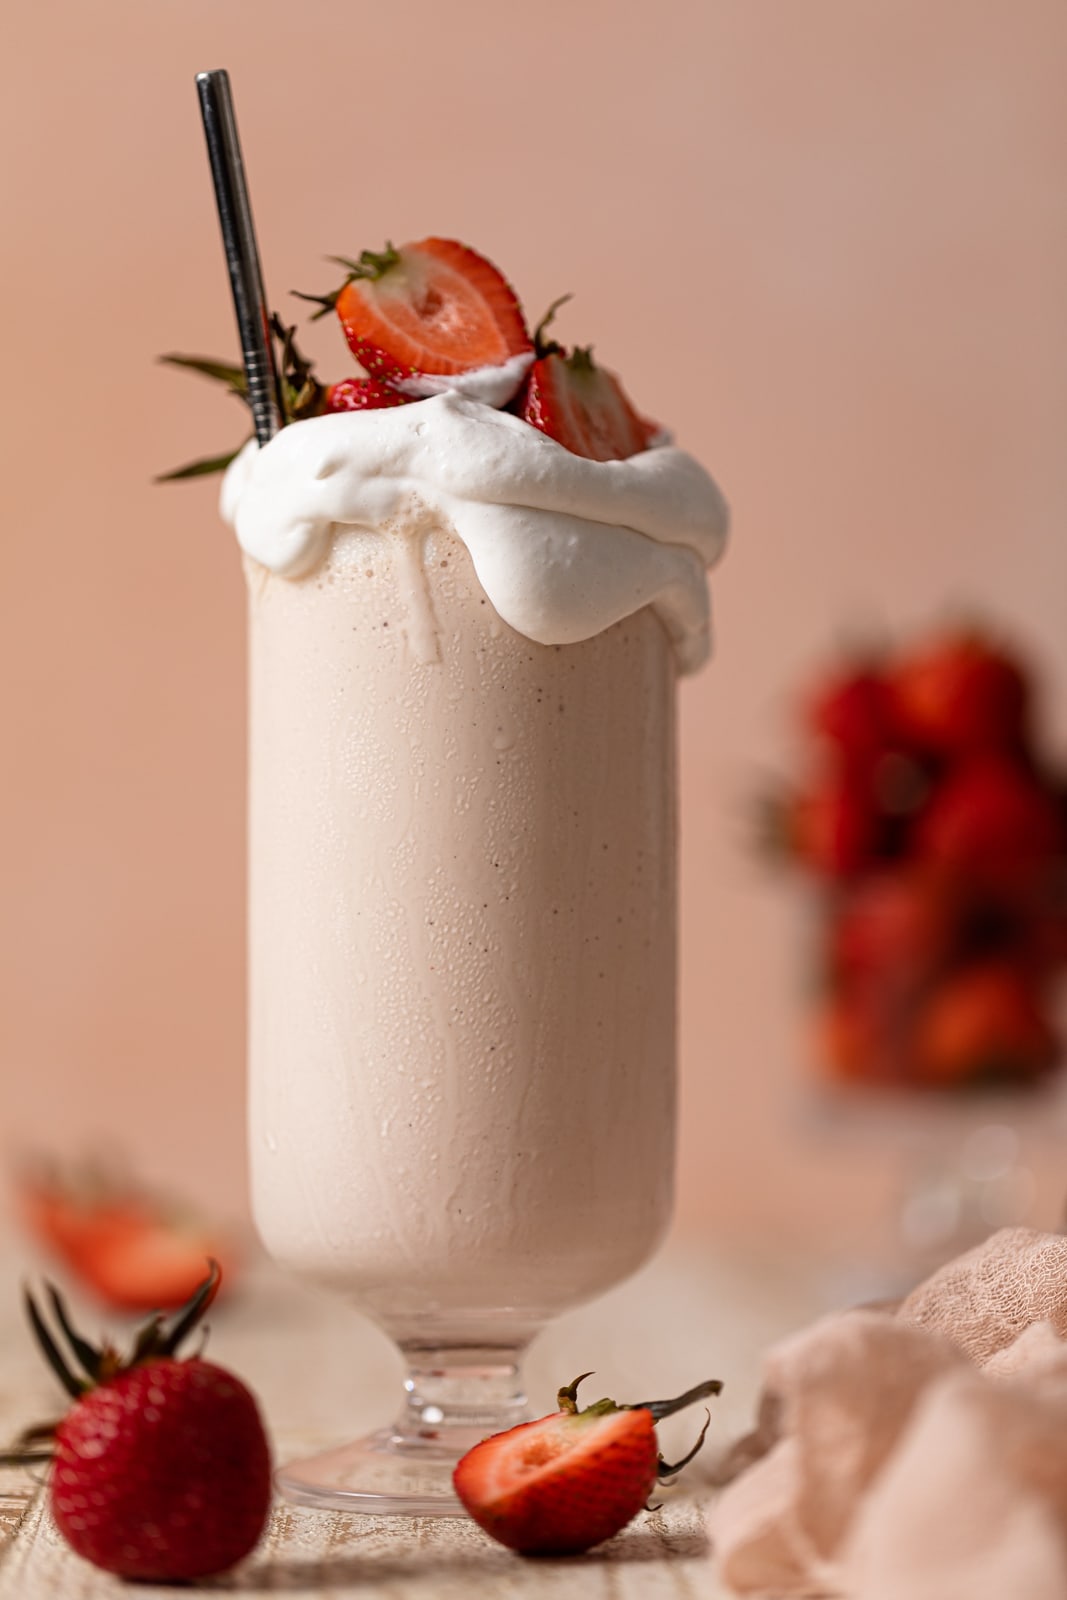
383,1474
456,1396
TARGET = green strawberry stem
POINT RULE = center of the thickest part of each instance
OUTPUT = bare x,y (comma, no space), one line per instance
567,1400
581,360
544,346
155,1338
88,1356
664,1470
24,1458
372,264
75,1387
667,1408
190,1314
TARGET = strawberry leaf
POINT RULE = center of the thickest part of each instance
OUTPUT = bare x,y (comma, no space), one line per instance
194,1308
74,1387
88,1356
200,469
218,371
667,1408
665,1470
372,264
542,345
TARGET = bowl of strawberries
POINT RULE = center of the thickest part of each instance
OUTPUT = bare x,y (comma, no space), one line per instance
930,825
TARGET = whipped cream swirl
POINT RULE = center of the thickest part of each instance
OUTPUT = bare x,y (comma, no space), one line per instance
564,547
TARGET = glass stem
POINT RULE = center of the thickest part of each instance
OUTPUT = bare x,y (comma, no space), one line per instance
465,1392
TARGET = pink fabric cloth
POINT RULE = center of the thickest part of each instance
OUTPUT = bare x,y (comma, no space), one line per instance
915,1454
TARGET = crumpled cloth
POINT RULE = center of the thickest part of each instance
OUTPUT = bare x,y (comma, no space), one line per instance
916,1452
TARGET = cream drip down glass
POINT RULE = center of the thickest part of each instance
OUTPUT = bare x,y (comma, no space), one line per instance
464,643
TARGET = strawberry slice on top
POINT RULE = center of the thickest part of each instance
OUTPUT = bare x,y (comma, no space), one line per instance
363,394
579,404
583,407
435,308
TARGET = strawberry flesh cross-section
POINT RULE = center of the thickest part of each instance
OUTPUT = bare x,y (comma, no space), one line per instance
433,307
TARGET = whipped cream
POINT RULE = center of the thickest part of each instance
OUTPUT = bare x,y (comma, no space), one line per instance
563,547
493,386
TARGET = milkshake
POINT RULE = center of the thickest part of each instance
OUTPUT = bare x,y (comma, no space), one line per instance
466,626
462,879
462,942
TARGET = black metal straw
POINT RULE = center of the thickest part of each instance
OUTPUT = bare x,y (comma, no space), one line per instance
242,254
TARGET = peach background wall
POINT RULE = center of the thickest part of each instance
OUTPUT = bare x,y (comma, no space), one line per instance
825,239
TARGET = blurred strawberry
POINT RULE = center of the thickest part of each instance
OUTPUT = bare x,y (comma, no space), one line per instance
852,714
960,696
67,1214
835,830
896,924
848,1040
1045,939
986,1021
133,1250
994,820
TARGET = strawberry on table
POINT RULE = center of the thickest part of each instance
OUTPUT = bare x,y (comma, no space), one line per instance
161,1467
570,1480
431,309
132,1249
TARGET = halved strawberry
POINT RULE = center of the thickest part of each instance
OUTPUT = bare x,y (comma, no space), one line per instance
435,307
570,1480
363,394
132,1249
583,407
156,1264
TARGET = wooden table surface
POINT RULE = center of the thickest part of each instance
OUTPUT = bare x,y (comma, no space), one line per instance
323,1374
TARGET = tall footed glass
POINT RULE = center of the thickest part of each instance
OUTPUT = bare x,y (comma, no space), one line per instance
462,968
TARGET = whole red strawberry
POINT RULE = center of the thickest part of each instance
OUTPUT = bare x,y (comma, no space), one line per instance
161,1467
570,1480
